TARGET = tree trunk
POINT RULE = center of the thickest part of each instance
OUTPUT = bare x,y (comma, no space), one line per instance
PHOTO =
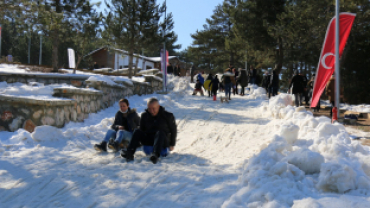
280,56
55,50
136,64
79,58
130,64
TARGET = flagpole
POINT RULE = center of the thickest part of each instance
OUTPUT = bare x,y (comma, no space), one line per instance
164,50
337,89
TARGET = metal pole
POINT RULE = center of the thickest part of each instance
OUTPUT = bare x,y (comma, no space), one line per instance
40,56
29,48
337,86
164,50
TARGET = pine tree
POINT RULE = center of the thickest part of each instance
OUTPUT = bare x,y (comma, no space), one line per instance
133,23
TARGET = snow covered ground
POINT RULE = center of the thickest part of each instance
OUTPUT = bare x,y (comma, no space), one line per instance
248,153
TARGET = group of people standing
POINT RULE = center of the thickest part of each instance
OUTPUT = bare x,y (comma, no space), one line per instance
229,83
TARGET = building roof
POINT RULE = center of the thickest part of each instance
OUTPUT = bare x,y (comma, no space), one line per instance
151,59
158,59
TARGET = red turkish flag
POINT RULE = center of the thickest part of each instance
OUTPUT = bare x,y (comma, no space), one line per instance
326,65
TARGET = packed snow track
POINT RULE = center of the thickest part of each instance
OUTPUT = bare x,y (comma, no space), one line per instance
218,148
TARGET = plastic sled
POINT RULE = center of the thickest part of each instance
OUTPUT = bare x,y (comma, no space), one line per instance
149,149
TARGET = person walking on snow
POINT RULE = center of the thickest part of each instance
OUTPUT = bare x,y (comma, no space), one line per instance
198,88
252,75
200,78
274,84
298,88
125,122
242,79
215,83
157,128
209,90
236,74
226,79
266,81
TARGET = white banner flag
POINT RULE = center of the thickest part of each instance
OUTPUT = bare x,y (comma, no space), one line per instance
71,58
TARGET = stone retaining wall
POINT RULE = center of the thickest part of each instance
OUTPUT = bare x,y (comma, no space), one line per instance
155,84
70,104
26,113
75,80
86,101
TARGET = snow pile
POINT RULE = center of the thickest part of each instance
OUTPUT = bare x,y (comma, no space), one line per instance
308,157
278,106
122,79
156,77
101,78
181,86
256,92
138,79
356,108
11,68
47,133
148,71
32,90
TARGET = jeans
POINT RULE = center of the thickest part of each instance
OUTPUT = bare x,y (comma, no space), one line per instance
228,89
298,99
117,136
253,80
158,140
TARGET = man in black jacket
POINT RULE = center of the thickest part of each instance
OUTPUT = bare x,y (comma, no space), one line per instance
157,128
298,88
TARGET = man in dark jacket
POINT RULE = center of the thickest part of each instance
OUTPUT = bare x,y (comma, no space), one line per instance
252,75
125,122
236,73
298,88
215,83
157,128
274,84
266,81
242,79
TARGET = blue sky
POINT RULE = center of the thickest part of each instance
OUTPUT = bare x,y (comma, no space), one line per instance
188,15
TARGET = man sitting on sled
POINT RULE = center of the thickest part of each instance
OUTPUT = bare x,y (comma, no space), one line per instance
157,129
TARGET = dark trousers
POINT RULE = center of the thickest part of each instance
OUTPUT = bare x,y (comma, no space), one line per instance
306,99
158,140
298,99
272,91
214,92
242,89
236,89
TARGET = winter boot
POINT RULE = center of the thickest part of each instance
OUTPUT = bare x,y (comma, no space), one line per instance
154,158
101,147
129,156
113,146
